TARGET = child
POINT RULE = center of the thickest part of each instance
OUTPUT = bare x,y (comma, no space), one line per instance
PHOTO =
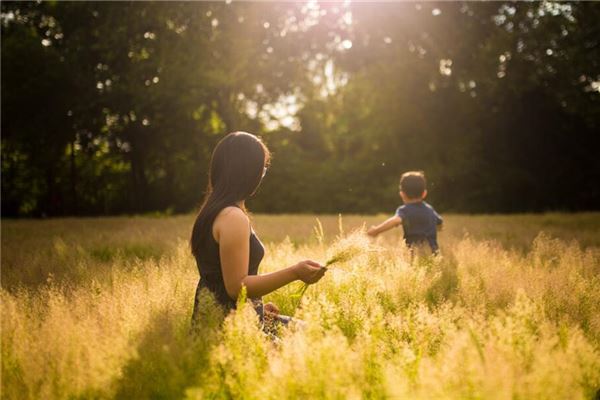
419,219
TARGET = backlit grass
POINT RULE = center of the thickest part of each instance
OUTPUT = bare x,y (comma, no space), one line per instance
101,308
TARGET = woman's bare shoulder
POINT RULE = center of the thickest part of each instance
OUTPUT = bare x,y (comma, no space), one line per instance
232,213
230,219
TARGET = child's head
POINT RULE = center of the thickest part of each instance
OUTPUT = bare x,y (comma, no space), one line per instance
413,186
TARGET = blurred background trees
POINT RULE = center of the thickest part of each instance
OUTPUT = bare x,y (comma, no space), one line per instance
114,108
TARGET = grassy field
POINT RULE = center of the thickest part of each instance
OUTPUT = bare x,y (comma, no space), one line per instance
100,308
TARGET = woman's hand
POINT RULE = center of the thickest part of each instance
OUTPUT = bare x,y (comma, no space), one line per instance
270,310
372,231
309,271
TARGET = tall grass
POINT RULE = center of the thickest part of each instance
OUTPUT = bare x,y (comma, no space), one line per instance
486,320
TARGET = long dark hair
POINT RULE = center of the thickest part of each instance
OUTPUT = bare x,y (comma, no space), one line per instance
236,168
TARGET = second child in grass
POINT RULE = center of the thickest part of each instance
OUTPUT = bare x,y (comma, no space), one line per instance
419,220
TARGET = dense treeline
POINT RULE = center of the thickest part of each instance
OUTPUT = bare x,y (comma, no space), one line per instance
114,107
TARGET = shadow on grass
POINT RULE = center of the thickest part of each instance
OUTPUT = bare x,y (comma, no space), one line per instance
443,288
130,251
170,358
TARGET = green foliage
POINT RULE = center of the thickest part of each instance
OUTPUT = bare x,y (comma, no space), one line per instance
115,107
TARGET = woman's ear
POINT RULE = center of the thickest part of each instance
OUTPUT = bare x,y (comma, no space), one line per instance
424,194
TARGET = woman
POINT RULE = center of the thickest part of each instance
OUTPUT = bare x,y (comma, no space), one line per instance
226,249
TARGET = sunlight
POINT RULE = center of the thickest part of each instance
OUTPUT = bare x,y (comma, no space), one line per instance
131,129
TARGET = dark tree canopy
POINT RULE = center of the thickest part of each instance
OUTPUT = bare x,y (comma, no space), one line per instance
112,108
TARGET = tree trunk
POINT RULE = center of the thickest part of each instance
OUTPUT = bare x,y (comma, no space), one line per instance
74,201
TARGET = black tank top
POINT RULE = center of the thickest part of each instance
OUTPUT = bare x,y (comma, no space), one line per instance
208,261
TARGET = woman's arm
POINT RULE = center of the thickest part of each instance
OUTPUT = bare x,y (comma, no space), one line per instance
384,226
232,231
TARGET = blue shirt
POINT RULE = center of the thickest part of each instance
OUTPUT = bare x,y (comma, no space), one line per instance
420,221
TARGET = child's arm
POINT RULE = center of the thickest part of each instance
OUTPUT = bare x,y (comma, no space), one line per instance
384,226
